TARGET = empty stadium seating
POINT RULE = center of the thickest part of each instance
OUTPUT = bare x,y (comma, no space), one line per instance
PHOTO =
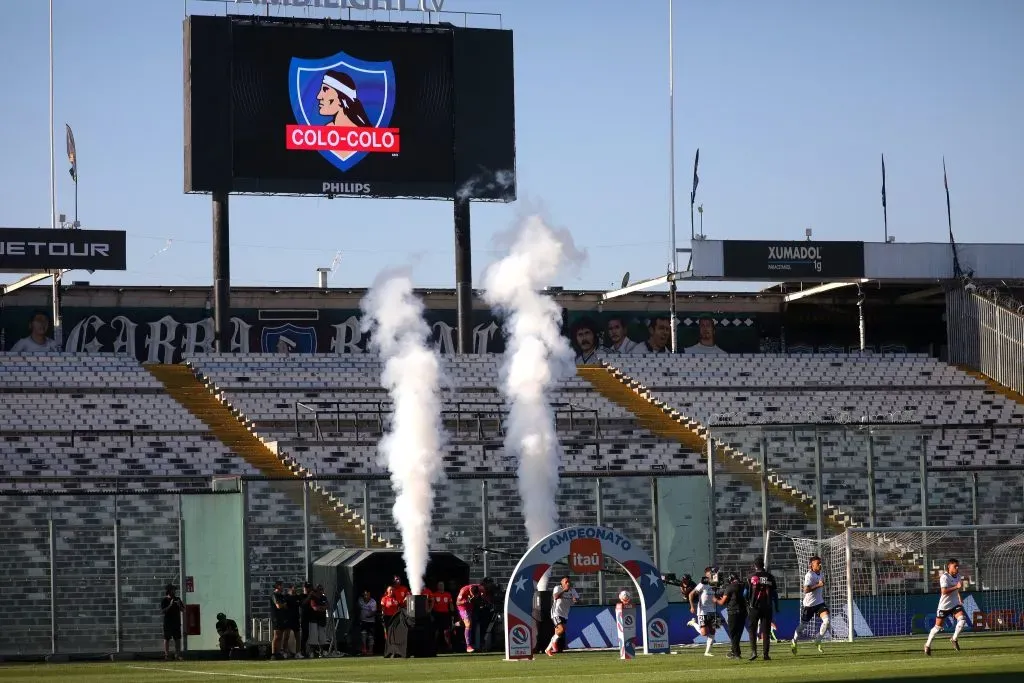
264,389
717,394
78,423
75,425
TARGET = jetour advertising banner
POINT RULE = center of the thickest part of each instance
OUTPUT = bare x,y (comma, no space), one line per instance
33,249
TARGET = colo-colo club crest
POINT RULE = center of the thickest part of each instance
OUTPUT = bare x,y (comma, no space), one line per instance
342,108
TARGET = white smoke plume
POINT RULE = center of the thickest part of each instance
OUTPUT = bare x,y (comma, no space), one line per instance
487,183
413,445
537,356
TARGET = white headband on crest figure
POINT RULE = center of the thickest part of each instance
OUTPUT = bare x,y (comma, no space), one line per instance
332,82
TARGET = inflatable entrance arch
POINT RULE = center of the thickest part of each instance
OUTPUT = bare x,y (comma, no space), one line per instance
586,547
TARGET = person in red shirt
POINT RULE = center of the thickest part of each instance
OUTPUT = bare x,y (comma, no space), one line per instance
401,592
464,602
389,608
442,613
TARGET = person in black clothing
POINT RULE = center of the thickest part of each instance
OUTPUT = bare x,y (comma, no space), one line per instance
278,612
762,592
736,607
686,586
293,621
171,607
307,617
319,606
483,612
227,629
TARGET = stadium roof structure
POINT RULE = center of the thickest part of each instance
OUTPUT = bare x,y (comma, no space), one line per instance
769,300
910,271
852,261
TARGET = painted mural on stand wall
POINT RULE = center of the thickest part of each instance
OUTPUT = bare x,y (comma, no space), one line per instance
598,335
166,335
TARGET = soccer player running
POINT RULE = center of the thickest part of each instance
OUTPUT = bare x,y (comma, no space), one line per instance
686,586
464,603
563,597
763,595
736,607
813,604
950,605
707,617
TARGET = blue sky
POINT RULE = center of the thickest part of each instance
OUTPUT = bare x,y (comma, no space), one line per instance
790,101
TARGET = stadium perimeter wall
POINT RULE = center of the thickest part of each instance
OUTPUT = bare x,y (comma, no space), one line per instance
69,538
82,529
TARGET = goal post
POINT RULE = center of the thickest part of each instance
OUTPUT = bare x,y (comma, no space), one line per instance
882,581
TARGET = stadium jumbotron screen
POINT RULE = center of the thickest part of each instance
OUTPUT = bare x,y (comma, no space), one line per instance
297,106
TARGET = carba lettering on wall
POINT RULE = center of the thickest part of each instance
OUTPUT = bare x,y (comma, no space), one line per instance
166,335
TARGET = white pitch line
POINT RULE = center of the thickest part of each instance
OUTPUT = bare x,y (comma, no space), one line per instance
276,677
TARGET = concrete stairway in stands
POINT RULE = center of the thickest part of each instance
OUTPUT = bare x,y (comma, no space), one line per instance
668,423
994,385
189,391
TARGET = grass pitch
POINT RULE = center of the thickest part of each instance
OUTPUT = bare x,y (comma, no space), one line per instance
984,659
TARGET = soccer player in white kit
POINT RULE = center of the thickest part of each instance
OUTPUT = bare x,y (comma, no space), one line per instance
950,604
707,615
813,603
563,597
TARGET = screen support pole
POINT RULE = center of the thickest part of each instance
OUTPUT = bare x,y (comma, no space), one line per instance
221,274
463,277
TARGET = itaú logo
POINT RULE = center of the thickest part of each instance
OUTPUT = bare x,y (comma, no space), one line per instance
342,139
585,555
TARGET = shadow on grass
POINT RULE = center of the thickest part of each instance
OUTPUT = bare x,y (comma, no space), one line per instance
995,677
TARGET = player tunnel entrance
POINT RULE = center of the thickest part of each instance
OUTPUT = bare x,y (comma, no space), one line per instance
587,546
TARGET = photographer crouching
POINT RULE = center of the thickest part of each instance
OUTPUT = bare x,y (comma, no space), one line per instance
230,638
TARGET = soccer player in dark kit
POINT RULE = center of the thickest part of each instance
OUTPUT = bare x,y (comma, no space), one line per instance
763,596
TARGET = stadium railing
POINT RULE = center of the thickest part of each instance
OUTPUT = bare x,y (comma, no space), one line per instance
986,332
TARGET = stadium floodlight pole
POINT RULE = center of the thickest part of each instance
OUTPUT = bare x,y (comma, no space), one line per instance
58,332
674,263
53,174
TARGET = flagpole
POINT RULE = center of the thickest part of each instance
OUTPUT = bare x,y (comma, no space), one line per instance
674,263
957,271
58,332
53,177
885,208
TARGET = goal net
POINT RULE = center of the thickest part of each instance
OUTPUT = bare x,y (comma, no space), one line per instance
884,581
